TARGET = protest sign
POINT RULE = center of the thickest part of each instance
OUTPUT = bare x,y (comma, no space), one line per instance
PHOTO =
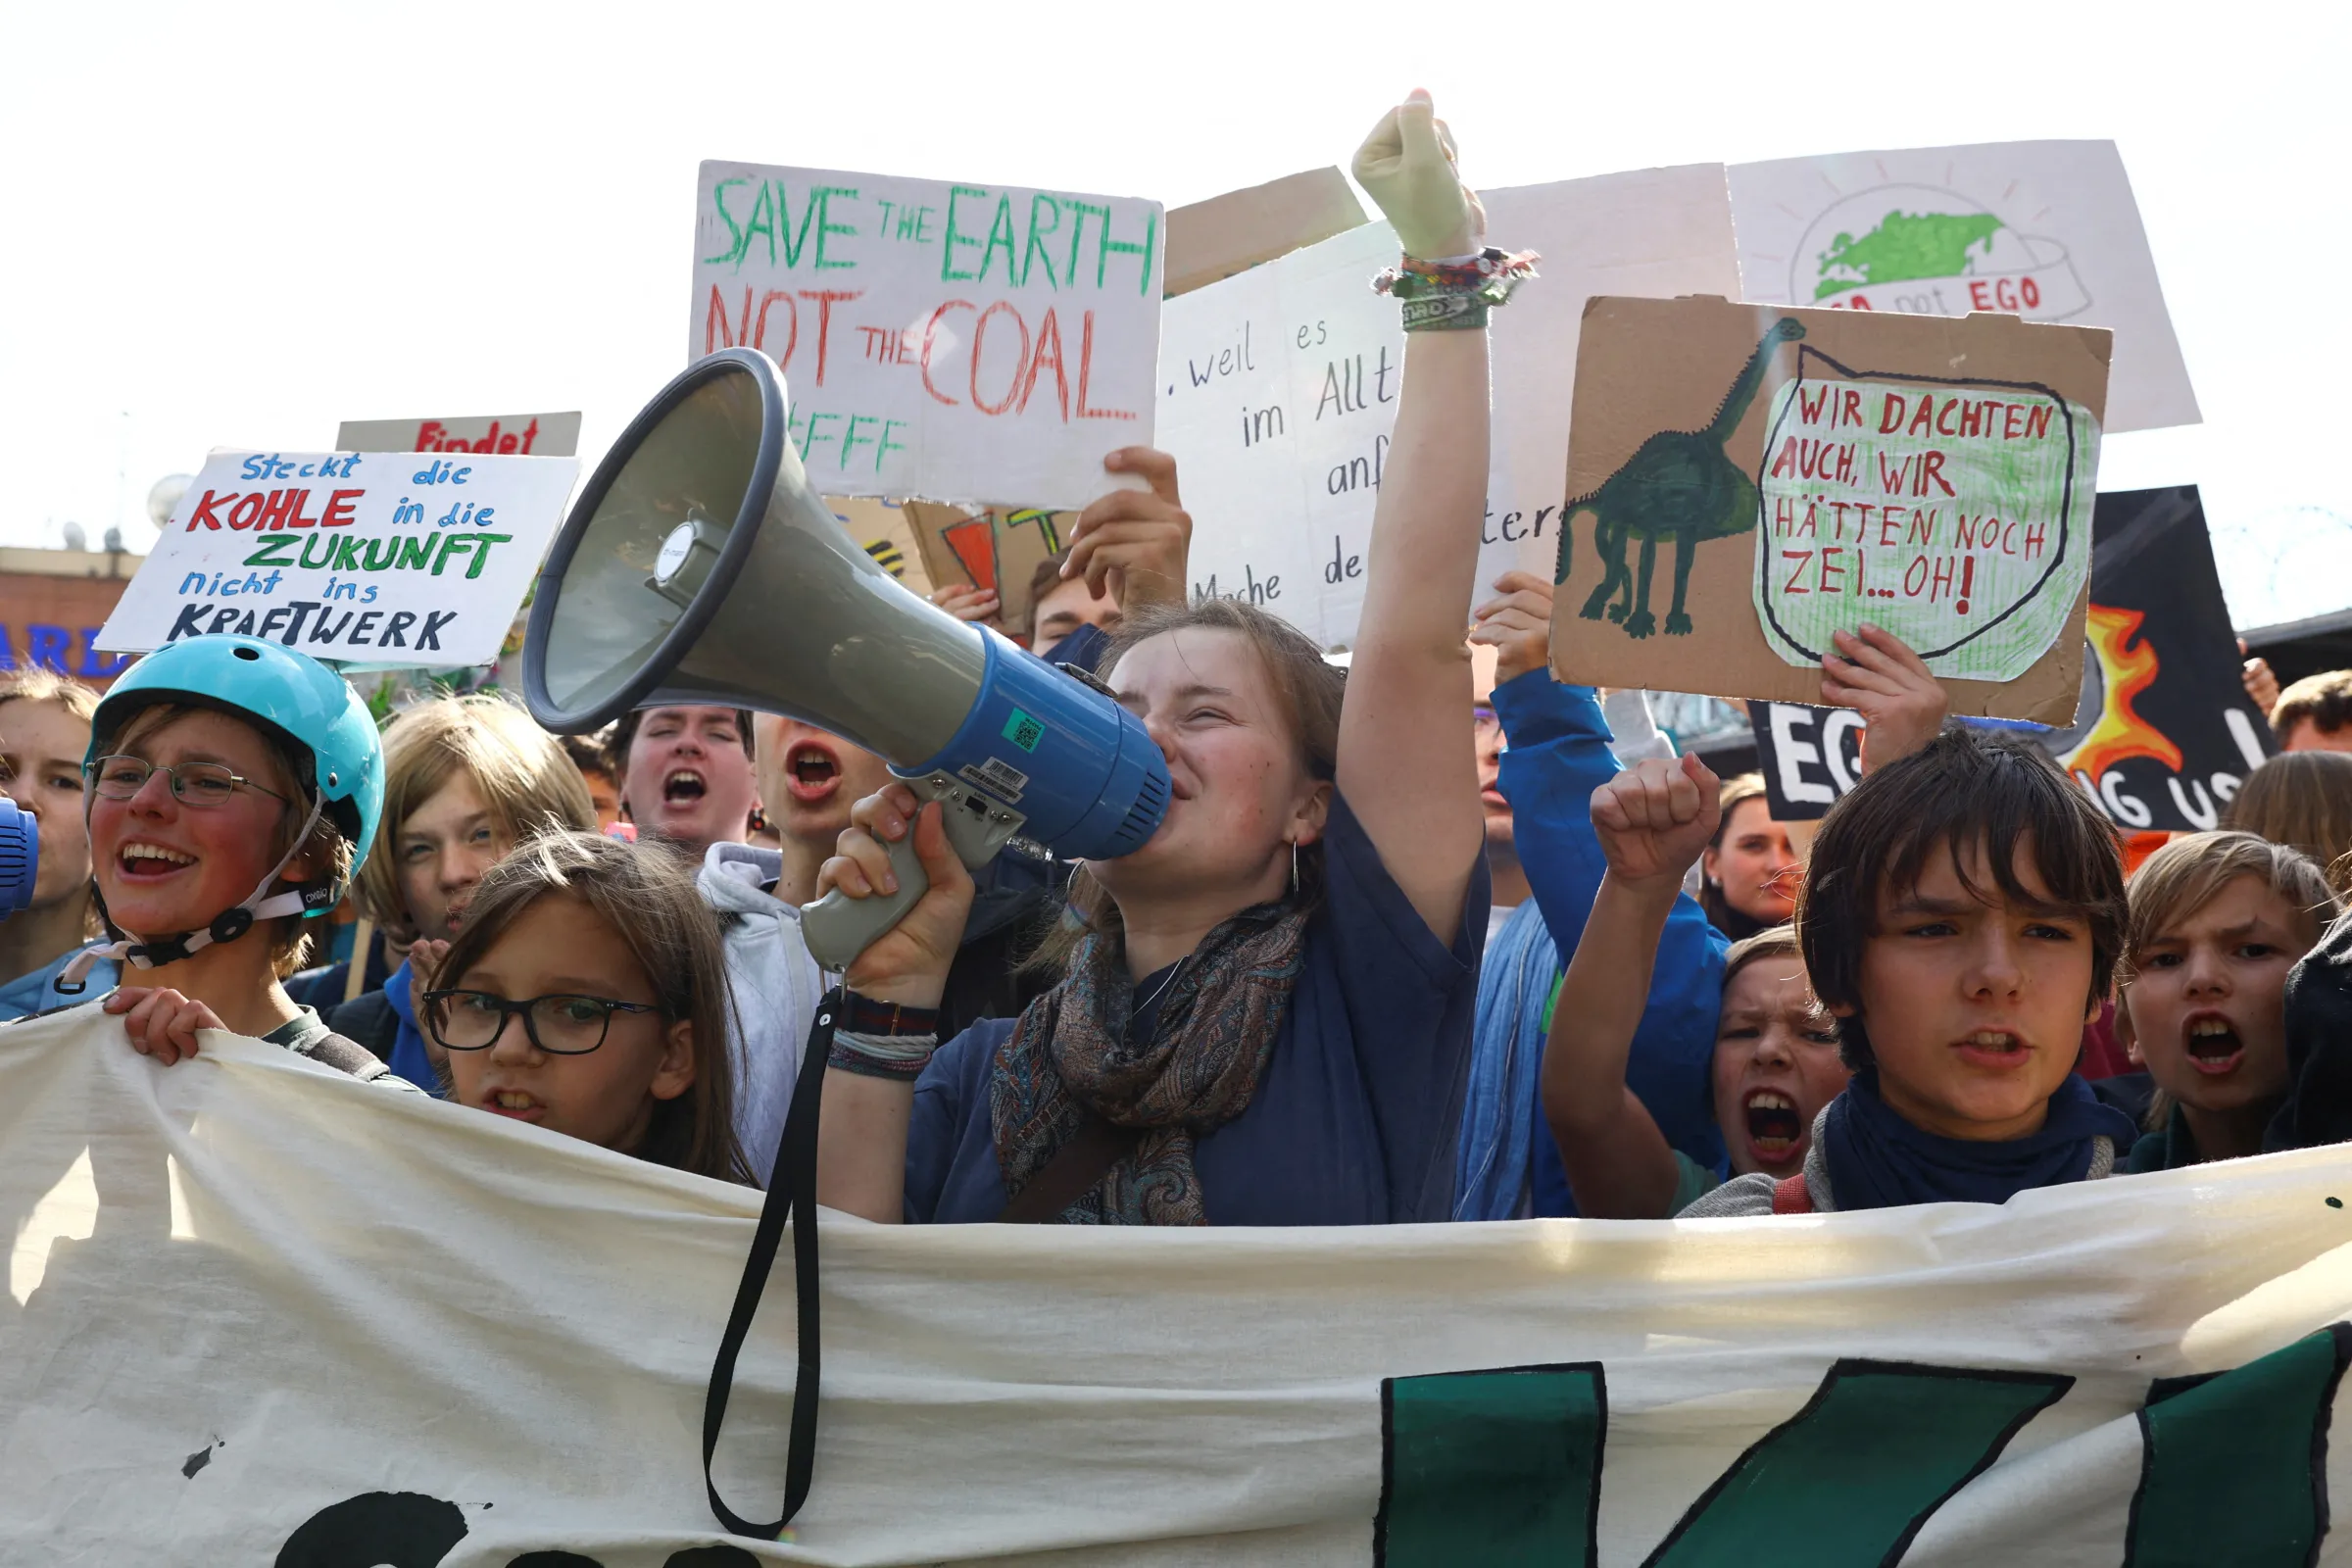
524,435
1210,241
1810,757
1803,472
998,549
403,558
964,342
884,531
1278,387
257,1312
2045,229
2164,732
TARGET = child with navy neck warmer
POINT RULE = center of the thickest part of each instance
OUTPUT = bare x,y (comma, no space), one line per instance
1961,920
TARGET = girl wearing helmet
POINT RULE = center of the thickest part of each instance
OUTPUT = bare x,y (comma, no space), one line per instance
233,783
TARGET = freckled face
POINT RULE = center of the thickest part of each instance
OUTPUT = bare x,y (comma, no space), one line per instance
1239,792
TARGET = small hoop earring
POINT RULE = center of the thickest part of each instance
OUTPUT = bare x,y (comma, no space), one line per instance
1293,869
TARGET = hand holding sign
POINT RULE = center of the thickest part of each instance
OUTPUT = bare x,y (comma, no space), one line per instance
1517,624
1132,543
1653,821
1901,704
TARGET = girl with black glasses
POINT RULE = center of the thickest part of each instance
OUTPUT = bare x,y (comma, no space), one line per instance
586,994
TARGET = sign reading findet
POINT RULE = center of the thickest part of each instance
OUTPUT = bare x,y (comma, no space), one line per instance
363,556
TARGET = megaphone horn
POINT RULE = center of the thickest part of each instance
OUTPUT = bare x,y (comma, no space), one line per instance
699,566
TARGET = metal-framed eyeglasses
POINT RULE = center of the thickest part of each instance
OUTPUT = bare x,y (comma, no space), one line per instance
562,1025
118,779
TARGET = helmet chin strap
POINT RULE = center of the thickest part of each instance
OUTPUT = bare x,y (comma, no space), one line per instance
229,924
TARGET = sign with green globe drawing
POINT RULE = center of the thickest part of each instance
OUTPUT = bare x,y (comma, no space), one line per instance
2046,230
1955,514
1931,252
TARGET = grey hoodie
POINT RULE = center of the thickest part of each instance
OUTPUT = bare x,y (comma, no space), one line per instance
776,988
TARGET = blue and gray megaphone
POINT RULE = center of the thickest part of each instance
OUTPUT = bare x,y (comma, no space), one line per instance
20,857
699,566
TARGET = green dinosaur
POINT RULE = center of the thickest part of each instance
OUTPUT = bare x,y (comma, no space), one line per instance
1679,484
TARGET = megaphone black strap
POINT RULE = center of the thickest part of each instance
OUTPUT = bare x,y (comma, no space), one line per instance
791,1189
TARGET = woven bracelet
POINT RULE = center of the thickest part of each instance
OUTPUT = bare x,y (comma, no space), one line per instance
898,1057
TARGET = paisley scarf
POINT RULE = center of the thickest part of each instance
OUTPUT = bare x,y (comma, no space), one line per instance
1069,1056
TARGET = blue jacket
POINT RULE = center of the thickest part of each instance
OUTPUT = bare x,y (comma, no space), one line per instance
37,992
1558,755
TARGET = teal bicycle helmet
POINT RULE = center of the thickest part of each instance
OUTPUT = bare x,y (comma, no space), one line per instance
290,693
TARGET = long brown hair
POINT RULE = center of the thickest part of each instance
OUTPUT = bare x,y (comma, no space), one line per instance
1307,692
647,897
522,773
2302,800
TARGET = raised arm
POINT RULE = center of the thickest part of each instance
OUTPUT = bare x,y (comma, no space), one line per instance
1406,764
1650,824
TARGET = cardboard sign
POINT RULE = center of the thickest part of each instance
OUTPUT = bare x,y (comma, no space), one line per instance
2164,732
524,435
1744,480
957,341
885,532
2044,230
1809,757
1211,240
370,557
997,549
1278,387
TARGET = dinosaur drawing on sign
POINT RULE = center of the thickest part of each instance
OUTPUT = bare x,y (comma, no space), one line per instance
1680,486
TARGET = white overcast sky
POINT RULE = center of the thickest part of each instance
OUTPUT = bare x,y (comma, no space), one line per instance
239,225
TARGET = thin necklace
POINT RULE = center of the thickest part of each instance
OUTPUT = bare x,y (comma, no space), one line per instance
1159,990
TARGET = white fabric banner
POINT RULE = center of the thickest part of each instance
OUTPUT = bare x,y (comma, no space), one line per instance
259,1313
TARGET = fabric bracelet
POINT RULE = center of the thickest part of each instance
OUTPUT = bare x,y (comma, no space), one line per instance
863,1015
896,1057
1445,312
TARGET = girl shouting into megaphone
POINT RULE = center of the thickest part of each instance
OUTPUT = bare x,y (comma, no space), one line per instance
1265,1015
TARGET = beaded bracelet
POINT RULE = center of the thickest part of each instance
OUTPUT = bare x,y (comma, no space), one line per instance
1456,293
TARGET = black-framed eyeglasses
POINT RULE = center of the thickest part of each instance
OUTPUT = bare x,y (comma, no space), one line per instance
562,1025
118,779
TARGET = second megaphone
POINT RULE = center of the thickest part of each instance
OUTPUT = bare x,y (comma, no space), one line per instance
700,567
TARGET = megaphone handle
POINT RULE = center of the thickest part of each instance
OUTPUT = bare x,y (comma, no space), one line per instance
837,928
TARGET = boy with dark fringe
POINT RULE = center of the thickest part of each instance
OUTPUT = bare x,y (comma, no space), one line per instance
1961,918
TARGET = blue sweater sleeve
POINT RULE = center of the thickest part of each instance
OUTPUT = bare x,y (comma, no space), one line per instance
1558,755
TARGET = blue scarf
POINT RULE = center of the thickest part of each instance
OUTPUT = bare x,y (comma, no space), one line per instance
409,1059
1500,1116
1879,1161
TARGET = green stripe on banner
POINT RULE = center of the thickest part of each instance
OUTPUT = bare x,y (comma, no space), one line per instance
1498,1468
2233,1466
1848,1481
